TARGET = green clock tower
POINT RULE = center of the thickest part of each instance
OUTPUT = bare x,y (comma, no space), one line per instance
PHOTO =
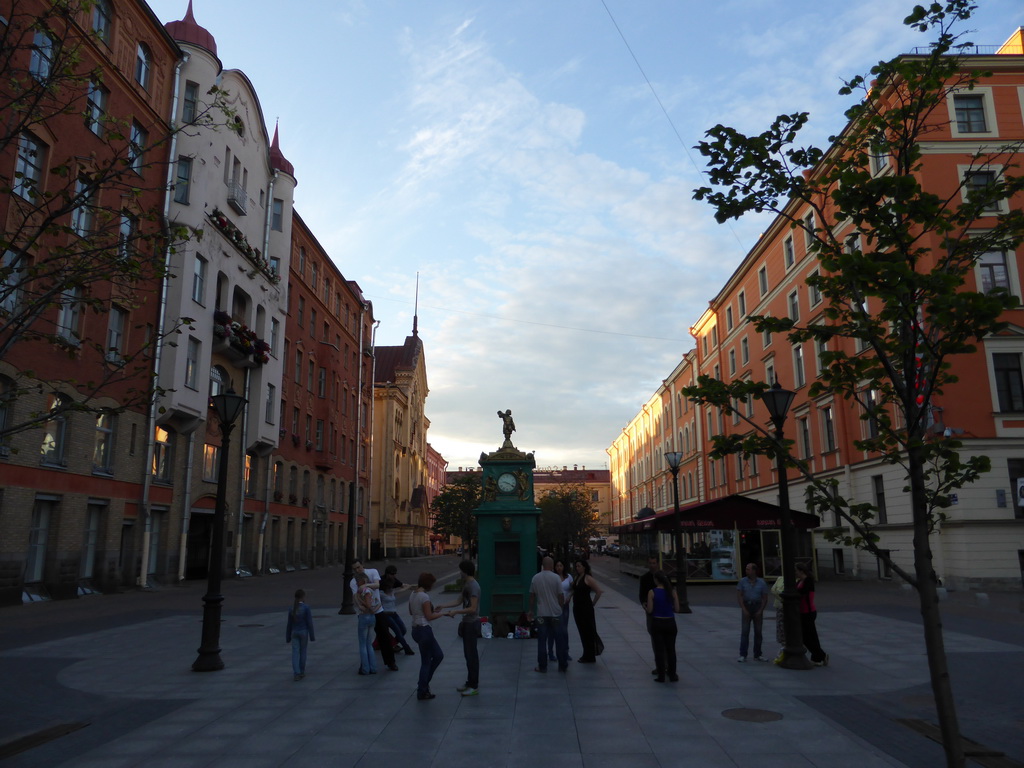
507,531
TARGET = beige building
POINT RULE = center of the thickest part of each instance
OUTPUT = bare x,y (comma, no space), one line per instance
399,522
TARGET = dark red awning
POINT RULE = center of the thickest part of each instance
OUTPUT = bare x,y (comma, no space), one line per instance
739,512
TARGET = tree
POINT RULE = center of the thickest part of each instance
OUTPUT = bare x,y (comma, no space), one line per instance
453,509
83,217
568,518
896,269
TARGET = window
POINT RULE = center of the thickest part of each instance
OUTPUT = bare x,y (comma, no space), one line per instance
101,18
96,107
313,276
137,146
741,301
298,366
69,314
271,403
799,376
978,186
878,157
38,537
302,311
319,434
312,323
728,318
762,280
828,430
322,382
103,445
10,282
192,363
1009,384
809,236
218,380
769,373
118,320
788,253
211,462
143,64
277,222
878,494
54,442
870,409
310,370
732,361
820,348
190,104
744,351
41,63
83,218
793,302
813,292
275,335
803,430
302,263
198,279
252,475
183,180
993,270
163,454
28,171
970,113
125,235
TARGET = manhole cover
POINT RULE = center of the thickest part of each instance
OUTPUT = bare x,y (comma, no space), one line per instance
252,625
752,715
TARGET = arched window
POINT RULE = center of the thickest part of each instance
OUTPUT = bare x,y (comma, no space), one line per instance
143,65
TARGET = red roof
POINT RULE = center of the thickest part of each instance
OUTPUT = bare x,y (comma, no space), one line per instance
188,31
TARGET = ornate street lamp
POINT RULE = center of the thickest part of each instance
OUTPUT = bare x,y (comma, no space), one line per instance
228,406
778,401
674,458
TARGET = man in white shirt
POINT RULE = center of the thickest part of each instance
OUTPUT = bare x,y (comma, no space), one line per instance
380,626
546,602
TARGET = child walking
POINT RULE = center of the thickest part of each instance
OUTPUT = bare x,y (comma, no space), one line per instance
299,633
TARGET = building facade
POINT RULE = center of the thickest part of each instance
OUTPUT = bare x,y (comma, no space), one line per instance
399,504
981,542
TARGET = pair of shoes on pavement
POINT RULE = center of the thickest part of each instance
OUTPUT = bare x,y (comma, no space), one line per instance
465,690
741,659
760,658
425,696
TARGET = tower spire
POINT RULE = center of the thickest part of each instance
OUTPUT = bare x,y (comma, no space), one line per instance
416,308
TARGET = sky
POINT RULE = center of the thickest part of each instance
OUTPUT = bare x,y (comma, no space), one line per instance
533,163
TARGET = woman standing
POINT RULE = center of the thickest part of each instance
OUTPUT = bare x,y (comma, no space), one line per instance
566,580
662,606
809,616
367,606
389,588
299,632
422,611
583,610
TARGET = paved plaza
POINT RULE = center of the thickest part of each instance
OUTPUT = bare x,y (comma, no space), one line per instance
132,683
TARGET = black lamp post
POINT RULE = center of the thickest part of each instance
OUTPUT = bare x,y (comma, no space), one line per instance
674,458
228,406
778,401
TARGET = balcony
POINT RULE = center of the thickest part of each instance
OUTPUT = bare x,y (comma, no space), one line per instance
237,198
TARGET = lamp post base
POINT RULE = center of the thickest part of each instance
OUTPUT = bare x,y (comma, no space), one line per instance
795,659
208,661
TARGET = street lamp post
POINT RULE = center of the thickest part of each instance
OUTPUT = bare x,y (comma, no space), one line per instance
778,401
228,406
674,458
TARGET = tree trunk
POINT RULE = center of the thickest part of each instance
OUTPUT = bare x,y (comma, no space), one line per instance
938,668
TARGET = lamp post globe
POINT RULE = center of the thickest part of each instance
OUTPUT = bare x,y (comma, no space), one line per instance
794,656
228,405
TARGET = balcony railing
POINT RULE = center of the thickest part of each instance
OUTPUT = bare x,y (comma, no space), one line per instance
237,198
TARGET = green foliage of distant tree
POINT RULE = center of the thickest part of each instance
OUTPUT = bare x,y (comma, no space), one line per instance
895,266
568,518
452,509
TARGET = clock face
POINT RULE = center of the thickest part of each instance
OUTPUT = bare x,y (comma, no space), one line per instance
507,482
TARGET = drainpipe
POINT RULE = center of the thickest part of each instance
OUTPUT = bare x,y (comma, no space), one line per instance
147,475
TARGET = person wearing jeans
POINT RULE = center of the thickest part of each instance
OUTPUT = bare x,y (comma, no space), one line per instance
469,627
422,611
752,595
367,606
546,600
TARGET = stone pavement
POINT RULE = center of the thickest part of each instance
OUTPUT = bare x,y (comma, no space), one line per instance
151,710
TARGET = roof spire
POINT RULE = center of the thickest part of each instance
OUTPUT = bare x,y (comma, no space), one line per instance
416,308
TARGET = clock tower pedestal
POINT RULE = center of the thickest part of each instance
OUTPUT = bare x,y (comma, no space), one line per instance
507,534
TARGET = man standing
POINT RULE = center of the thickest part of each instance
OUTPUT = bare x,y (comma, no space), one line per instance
752,595
546,602
646,585
380,622
469,628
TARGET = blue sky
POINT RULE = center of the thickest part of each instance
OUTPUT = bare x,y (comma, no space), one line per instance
512,153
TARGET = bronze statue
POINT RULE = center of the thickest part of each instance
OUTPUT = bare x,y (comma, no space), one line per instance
508,426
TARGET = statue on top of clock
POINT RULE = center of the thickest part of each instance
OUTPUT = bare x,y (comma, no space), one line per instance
507,427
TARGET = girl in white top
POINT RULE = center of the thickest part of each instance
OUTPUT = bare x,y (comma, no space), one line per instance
421,608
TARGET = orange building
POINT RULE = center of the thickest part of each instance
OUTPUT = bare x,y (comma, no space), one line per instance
982,540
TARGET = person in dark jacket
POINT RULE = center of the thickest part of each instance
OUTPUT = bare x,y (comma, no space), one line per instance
299,633
646,585
809,616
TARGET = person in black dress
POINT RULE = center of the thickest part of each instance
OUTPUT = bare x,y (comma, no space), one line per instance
583,610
